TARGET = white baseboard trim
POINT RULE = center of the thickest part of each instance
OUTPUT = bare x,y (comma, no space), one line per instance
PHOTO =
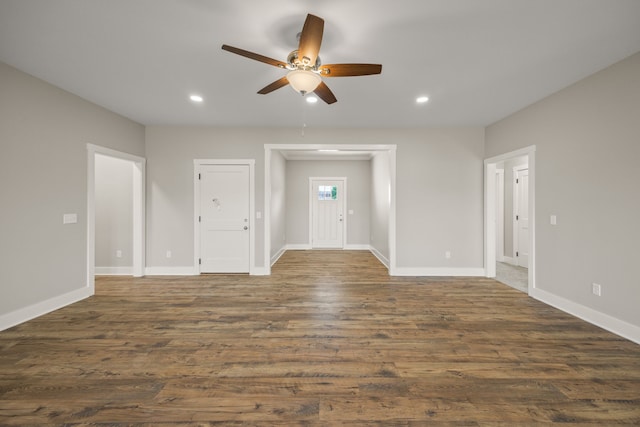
298,247
383,259
114,271
260,271
278,254
356,247
439,271
40,308
611,324
170,271
509,260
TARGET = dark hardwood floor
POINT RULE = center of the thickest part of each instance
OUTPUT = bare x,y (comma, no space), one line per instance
328,339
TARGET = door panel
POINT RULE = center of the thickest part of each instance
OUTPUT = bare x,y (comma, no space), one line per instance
224,225
327,214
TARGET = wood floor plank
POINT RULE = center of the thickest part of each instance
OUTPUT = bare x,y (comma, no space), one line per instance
328,339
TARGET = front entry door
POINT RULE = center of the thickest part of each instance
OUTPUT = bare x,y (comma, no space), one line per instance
327,213
224,218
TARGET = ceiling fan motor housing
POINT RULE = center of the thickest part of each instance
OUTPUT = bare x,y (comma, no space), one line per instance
297,63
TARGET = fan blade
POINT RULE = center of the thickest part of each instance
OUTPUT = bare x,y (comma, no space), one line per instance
325,93
273,86
345,70
254,56
310,40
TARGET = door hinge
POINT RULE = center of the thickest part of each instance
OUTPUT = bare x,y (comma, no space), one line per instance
199,176
517,180
199,219
199,261
517,254
517,216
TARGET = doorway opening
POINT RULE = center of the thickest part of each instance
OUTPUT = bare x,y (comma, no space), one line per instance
509,218
137,166
382,234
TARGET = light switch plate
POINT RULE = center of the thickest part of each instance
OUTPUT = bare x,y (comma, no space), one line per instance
553,220
350,211
70,218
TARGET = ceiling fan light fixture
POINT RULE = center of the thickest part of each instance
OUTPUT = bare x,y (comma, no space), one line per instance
303,81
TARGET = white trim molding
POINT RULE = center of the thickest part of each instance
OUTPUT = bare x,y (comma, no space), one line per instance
114,271
41,308
298,247
171,271
278,254
439,271
611,324
356,247
383,259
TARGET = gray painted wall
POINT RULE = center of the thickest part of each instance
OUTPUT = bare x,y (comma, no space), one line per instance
358,174
380,204
43,173
588,149
113,211
439,180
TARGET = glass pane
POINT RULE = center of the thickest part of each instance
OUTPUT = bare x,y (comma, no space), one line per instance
327,192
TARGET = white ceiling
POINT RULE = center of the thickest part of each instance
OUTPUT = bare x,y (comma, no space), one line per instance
477,60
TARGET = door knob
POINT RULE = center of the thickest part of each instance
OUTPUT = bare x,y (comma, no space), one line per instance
246,228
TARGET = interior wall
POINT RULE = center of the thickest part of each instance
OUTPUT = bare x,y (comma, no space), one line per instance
439,187
43,172
113,213
278,204
380,205
358,174
587,174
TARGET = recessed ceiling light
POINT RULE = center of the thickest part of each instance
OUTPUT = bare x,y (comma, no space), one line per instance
196,98
327,151
422,99
311,99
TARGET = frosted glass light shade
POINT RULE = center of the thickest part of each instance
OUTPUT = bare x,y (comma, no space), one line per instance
303,81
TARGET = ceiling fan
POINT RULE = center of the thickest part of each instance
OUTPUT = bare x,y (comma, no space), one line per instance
305,69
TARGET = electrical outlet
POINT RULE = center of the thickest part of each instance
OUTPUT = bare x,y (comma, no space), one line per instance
118,253
168,254
447,254
596,289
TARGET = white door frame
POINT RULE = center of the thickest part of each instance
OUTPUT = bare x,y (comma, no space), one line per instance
389,148
344,207
500,215
490,212
516,210
138,166
196,208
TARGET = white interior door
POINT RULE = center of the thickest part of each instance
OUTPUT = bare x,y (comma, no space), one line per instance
522,217
224,219
327,213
